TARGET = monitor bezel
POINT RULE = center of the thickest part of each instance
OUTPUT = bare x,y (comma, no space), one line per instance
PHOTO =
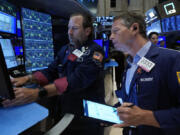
10,92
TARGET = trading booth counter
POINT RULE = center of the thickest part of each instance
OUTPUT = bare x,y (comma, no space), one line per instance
14,120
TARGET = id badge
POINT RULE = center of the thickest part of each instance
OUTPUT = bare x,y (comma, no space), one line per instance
146,64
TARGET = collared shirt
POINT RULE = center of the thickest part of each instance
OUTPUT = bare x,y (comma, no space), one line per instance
133,64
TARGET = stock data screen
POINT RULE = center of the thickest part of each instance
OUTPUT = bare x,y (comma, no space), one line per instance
178,22
8,53
169,24
7,23
38,41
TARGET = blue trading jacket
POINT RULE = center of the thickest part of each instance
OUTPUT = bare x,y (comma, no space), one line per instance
159,91
76,79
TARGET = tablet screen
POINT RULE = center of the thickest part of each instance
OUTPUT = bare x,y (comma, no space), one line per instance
101,112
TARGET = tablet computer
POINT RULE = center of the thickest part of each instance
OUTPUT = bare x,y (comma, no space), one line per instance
101,112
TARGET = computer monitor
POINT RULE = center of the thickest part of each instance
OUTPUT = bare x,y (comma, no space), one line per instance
154,27
178,22
8,52
6,89
105,20
162,41
38,41
99,42
106,48
169,8
7,23
18,24
169,24
8,7
151,15
18,50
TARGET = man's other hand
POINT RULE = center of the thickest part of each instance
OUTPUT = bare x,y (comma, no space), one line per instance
22,96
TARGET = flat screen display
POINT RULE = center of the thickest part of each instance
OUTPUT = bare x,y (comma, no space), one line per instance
106,48
8,8
154,27
6,90
7,23
101,112
18,50
151,15
105,20
99,42
169,24
38,41
8,53
169,8
178,22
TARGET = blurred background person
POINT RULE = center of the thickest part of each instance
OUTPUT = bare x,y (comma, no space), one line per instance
153,37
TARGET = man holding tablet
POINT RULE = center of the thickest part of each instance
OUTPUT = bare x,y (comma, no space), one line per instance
151,80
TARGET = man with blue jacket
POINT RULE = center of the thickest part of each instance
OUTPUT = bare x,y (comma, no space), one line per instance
151,81
75,74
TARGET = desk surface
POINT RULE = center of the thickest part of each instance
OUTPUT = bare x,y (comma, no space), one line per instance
15,120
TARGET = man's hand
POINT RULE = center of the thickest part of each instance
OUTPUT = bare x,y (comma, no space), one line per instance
135,116
22,96
19,81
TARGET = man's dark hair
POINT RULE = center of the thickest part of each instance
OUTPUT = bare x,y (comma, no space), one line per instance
152,33
87,21
130,17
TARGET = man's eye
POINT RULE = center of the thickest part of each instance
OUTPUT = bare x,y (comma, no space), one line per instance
74,28
114,31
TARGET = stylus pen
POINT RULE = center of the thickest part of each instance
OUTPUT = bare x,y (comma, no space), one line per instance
121,102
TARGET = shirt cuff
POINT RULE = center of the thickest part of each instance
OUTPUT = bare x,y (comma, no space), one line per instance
61,84
40,78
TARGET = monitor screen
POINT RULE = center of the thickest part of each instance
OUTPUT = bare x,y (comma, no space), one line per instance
106,48
162,41
38,41
99,42
6,90
8,52
7,23
178,22
101,112
18,50
169,24
154,27
105,20
169,8
18,24
151,15
8,8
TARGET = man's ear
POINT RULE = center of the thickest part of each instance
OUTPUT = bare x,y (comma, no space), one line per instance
88,31
134,27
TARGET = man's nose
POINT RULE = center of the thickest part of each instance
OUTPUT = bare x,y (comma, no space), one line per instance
111,37
70,31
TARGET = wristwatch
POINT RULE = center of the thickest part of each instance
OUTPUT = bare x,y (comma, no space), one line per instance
42,92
